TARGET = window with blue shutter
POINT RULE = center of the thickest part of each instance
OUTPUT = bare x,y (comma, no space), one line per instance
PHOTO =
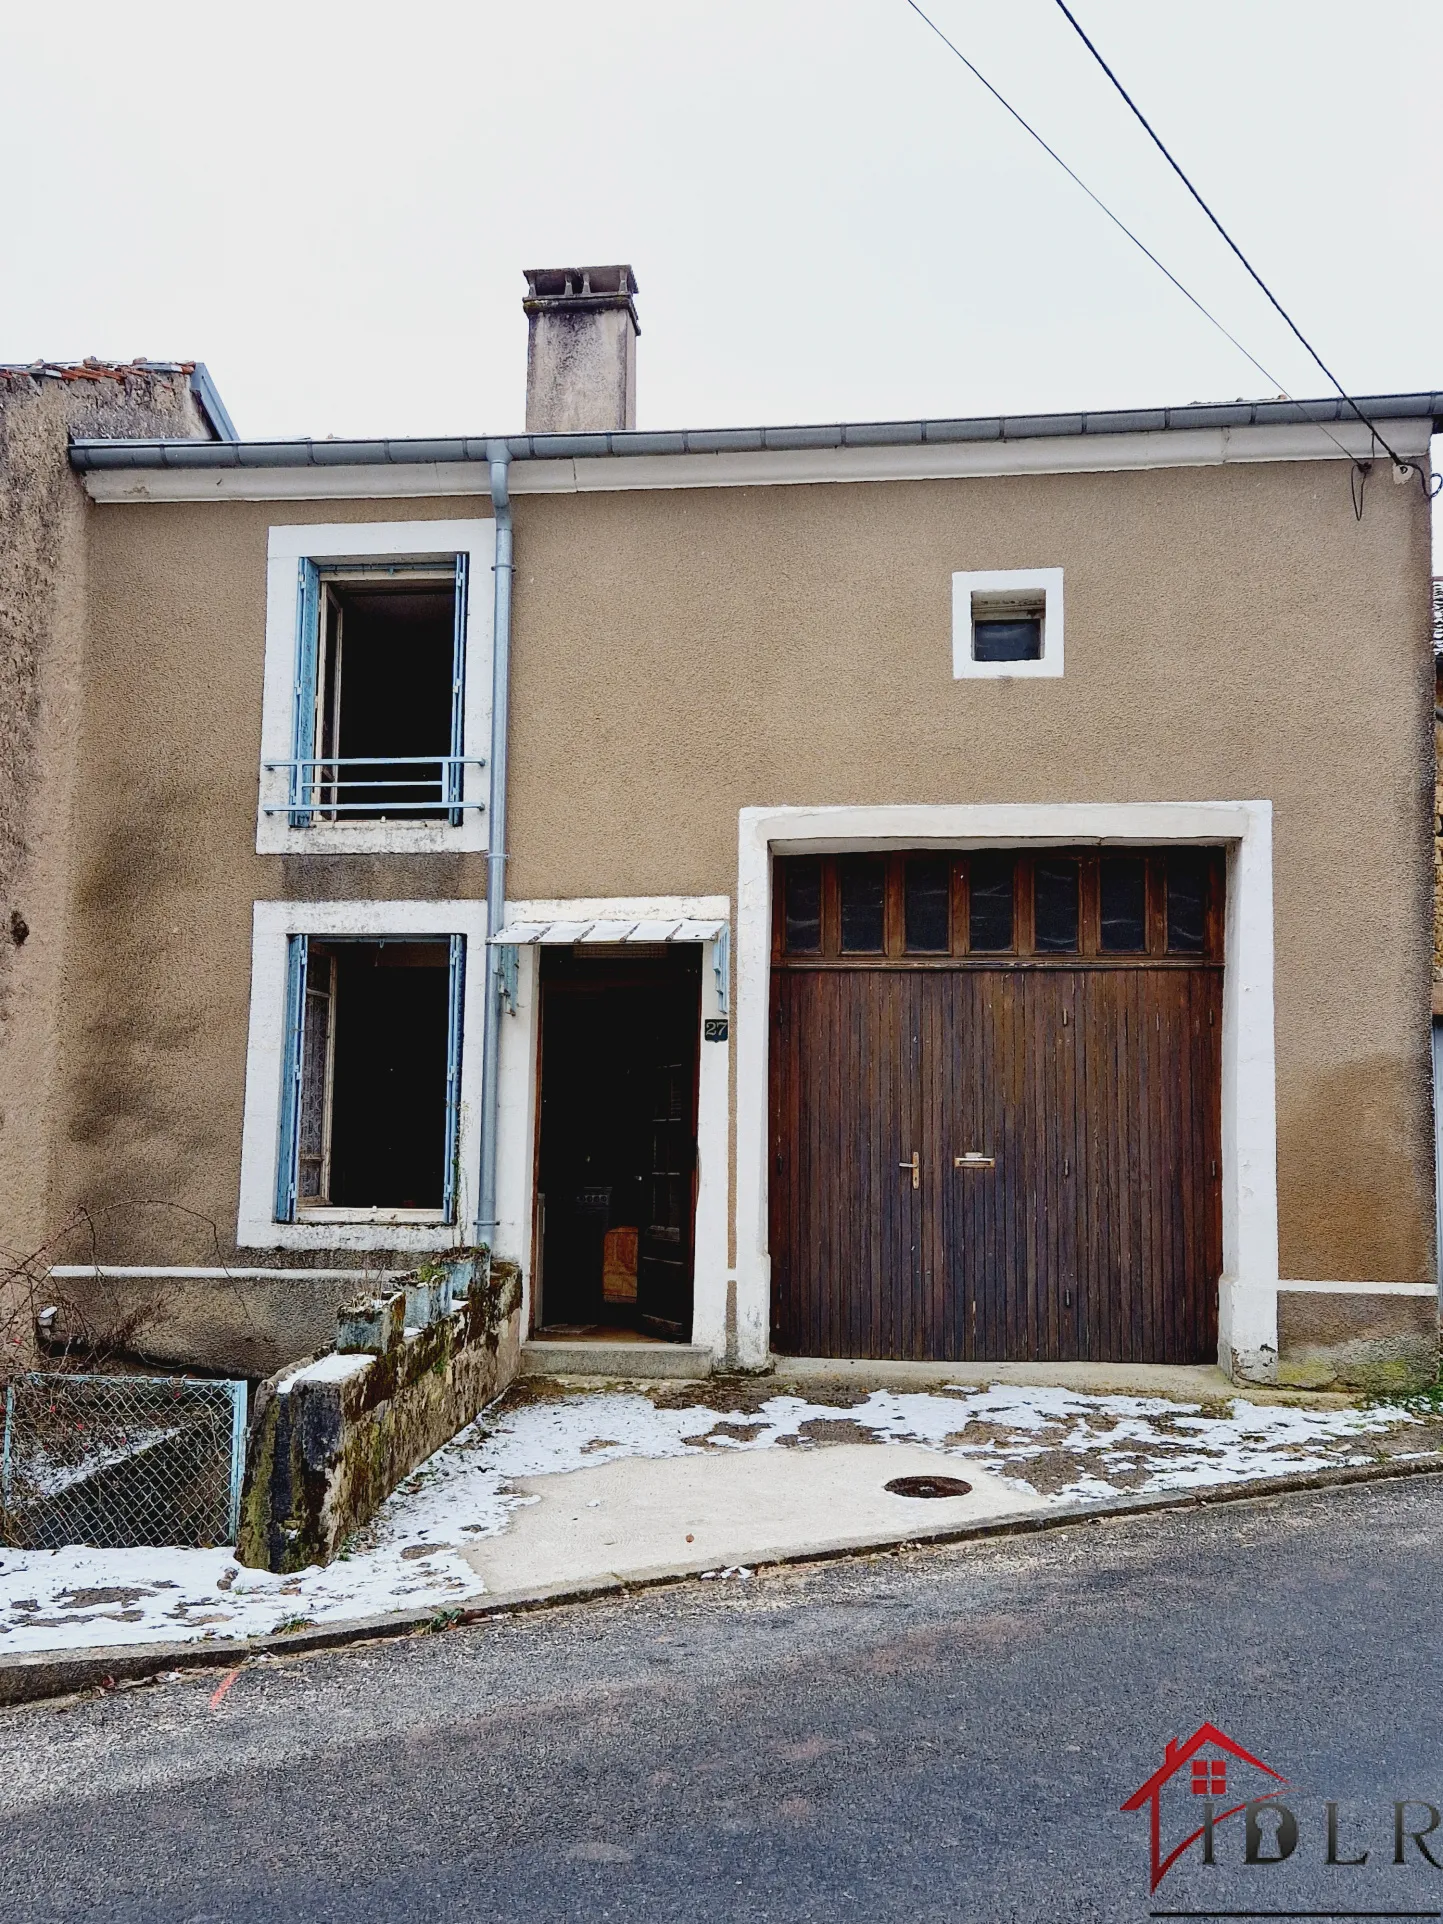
303,734
288,1150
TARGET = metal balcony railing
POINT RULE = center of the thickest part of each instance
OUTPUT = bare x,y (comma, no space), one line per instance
331,787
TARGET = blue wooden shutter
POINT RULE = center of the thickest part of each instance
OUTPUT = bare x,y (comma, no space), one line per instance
303,696
457,987
289,1145
455,774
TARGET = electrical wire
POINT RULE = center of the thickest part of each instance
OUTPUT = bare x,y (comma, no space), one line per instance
1140,244
1158,142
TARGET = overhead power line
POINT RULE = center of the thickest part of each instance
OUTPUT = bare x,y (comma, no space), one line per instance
1161,147
1141,245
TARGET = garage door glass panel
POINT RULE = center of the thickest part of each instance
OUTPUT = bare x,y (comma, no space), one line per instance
1186,904
990,904
1055,907
804,907
928,891
1122,889
863,892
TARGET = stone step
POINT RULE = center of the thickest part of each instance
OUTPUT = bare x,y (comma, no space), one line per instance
688,1361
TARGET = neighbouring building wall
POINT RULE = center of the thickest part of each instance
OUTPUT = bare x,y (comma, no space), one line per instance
43,517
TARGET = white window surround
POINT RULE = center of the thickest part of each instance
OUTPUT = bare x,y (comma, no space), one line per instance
357,541
1247,1295
517,1100
1046,582
272,923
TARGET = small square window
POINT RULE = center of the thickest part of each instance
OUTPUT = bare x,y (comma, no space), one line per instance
1007,627
1007,622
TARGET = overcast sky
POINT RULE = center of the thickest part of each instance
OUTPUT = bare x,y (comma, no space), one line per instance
829,219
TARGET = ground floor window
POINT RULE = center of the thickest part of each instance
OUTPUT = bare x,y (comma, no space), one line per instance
370,1078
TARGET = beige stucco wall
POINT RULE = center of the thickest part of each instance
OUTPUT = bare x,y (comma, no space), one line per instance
157,990
1231,633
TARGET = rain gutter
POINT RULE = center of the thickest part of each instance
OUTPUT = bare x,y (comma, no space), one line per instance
500,462
96,456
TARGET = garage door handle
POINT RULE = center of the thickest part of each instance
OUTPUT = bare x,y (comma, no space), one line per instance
915,1165
974,1159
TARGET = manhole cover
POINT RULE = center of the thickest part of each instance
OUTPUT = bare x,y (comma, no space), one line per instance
929,1486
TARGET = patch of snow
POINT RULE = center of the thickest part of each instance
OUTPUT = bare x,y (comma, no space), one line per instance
410,1556
334,1367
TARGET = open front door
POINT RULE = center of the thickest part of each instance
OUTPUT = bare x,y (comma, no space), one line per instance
616,1163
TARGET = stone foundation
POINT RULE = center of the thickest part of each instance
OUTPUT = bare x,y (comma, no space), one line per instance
1384,1342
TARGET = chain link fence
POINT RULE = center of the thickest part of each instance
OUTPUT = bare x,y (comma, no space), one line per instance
118,1462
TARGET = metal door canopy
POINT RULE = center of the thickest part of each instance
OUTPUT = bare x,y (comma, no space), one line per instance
679,929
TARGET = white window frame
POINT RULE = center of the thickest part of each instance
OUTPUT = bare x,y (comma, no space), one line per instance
287,547
1046,582
272,925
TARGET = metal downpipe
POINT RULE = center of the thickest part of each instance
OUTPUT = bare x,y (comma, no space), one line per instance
500,459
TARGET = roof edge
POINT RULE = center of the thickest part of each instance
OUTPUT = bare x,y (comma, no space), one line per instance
91,456
214,409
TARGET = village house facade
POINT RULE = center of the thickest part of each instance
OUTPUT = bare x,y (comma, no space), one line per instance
967,886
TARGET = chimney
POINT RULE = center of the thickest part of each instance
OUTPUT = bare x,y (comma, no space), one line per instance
581,349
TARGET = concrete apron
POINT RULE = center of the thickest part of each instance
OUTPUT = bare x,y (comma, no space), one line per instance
1180,1382
636,1518
588,1365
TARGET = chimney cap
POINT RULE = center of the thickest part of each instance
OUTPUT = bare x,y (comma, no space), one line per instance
579,290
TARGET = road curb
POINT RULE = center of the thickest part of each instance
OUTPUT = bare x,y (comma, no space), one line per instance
31,1676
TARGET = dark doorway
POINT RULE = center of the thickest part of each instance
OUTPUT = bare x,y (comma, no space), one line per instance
373,1088
385,689
616,1175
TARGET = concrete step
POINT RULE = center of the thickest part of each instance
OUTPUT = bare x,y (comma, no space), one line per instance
688,1361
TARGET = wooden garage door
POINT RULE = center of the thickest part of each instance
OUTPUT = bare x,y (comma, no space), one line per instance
996,1106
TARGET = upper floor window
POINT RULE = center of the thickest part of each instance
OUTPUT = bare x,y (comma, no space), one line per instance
377,700
382,673
1007,621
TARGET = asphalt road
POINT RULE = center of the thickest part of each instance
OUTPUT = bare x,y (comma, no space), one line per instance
940,1734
